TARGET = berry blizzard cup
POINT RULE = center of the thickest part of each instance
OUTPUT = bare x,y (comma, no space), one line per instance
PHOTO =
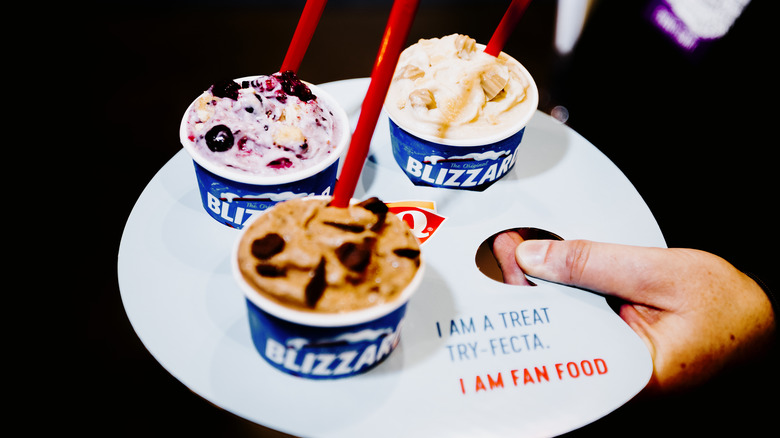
240,177
457,115
317,318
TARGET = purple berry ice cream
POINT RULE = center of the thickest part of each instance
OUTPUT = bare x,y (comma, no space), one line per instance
266,126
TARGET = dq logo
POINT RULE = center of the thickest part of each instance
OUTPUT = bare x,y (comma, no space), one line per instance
420,216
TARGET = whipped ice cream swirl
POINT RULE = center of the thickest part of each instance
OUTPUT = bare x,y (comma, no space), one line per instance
265,126
449,88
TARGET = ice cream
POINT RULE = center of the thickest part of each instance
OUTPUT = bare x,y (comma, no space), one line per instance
259,140
310,256
326,287
458,115
268,125
449,88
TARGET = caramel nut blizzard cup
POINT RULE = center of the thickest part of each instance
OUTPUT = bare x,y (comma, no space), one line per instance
319,345
461,163
232,197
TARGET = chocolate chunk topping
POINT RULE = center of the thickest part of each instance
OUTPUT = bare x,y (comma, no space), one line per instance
267,246
380,222
316,286
270,271
379,208
409,253
355,256
350,228
374,205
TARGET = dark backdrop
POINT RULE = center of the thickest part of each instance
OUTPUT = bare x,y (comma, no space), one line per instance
694,135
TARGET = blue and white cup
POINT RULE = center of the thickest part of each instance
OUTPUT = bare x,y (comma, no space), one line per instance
323,346
439,163
232,197
457,163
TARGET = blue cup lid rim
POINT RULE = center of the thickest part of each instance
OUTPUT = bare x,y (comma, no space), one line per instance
266,180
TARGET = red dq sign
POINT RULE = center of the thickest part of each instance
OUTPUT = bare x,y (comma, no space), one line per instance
419,216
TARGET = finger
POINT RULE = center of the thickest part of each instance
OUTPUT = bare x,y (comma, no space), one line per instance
618,270
504,246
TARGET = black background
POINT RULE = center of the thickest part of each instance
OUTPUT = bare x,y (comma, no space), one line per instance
694,135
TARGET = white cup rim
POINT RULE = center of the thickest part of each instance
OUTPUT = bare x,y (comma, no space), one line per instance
312,318
269,180
468,142
532,94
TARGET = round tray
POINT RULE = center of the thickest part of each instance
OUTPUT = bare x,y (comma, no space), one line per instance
477,357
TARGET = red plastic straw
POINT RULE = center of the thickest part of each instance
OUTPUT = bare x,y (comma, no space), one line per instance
393,41
506,26
303,33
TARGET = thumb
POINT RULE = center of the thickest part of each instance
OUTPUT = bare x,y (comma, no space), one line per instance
611,269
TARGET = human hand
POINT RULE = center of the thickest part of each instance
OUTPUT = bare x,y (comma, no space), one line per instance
696,312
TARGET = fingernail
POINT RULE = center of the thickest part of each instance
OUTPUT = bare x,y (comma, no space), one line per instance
531,254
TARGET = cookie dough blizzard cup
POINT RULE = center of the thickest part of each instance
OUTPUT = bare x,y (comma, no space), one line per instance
326,288
256,141
457,115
